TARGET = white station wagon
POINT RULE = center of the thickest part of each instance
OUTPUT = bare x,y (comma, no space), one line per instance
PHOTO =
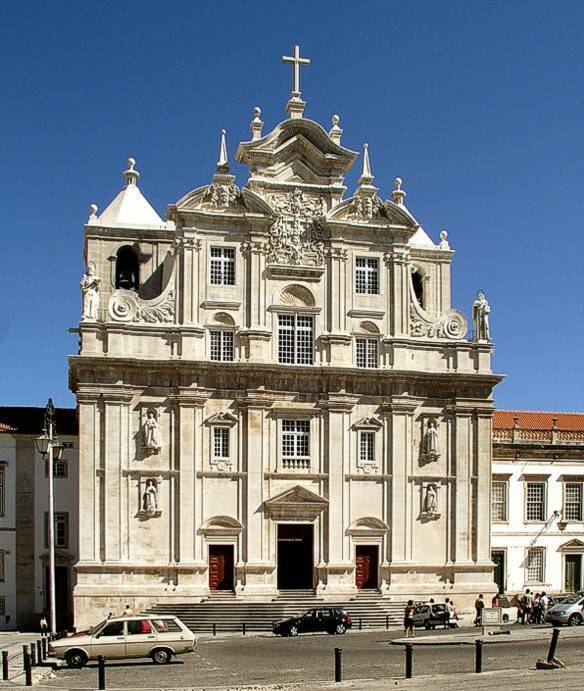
156,636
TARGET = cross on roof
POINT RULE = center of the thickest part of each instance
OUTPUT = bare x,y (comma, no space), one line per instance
298,62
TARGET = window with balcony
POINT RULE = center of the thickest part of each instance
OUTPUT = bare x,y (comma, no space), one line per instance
499,500
366,275
223,266
535,565
295,444
535,501
221,345
367,352
572,501
296,339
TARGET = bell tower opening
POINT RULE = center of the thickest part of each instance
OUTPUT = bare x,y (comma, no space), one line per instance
418,283
127,268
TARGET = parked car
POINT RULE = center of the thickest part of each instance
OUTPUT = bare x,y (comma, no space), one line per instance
156,636
431,615
570,611
329,619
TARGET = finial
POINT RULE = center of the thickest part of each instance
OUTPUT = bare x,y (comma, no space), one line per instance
256,124
131,176
366,177
223,163
92,213
335,132
397,196
444,244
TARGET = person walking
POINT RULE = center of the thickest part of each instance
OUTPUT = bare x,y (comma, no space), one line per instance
527,602
479,606
544,603
409,619
128,611
44,626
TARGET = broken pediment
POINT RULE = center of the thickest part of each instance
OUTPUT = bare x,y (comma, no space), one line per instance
372,210
297,502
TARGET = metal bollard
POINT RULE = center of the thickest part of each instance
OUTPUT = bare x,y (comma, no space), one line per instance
27,666
45,648
39,651
33,660
101,672
360,624
243,628
4,665
338,665
214,629
553,645
386,621
409,660
478,656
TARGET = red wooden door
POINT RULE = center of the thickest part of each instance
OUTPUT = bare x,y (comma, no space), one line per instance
221,567
366,567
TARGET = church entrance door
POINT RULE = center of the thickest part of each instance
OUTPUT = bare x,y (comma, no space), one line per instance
295,556
366,566
221,567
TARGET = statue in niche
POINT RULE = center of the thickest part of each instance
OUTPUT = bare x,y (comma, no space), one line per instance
90,290
151,431
150,498
480,317
431,500
432,438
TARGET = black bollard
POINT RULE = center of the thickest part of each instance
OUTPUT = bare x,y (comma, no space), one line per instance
338,664
386,621
214,629
553,645
39,652
33,654
478,655
360,624
45,649
409,660
4,665
101,672
243,628
27,666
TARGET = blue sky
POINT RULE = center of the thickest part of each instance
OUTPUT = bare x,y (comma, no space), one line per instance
478,106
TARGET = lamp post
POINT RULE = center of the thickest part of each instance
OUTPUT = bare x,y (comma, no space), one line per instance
49,447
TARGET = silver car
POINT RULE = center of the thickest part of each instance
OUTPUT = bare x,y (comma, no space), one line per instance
145,635
570,611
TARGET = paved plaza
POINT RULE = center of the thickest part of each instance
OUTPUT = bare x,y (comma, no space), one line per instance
261,660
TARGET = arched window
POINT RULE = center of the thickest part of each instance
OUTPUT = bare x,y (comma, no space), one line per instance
418,283
127,268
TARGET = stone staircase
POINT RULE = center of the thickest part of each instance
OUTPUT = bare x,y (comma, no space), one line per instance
228,613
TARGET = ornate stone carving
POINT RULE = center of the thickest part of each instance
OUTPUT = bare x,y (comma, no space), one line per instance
451,324
222,196
366,208
150,432
430,444
125,306
480,317
90,284
296,237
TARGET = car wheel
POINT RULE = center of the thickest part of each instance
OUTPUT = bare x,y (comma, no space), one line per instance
575,620
293,630
76,659
340,628
161,656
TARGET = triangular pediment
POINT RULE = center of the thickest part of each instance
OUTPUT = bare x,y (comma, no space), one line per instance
575,544
297,502
368,423
222,418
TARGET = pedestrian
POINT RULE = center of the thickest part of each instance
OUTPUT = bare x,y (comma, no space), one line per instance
527,602
455,617
44,627
535,612
495,602
409,619
449,613
544,603
128,611
479,606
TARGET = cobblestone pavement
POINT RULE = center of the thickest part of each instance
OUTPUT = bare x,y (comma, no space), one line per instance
261,660
13,641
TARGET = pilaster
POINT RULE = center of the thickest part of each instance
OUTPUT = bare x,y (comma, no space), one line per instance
397,262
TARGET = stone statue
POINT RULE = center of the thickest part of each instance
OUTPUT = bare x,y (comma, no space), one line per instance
90,290
431,500
151,430
480,317
151,497
431,438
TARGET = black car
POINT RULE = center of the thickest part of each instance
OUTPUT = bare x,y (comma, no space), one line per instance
329,619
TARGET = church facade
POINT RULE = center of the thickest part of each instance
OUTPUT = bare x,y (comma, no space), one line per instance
275,392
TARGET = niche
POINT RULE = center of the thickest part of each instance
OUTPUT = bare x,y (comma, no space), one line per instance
127,269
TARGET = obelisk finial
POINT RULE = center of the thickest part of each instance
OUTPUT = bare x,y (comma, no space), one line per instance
222,163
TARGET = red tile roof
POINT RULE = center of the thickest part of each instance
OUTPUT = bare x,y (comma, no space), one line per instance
30,420
534,419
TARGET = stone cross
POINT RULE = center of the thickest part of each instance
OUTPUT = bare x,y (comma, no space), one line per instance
298,62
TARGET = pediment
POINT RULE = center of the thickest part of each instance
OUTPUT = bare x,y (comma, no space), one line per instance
372,210
368,525
297,502
221,525
572,545
368,423
222,418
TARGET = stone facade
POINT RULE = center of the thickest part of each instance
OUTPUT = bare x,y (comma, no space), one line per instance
275,356
537,511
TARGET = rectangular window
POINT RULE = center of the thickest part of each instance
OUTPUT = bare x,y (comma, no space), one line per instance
367,447
499,500
535,501
223,266
296,443
220,442
222,346
366,275
295,339
60,469
534,567
61,530
572,501
2,490
367,352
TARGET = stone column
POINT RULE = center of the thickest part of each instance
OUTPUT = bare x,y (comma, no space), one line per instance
463,453
482,510
89,482
255,253
398,266
337,290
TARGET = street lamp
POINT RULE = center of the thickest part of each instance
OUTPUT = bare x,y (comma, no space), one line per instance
49,447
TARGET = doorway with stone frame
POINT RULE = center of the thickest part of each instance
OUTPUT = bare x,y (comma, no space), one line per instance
295,556
367,567
221,567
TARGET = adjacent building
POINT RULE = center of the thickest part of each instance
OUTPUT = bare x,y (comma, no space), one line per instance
274,390
537,501
24,498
